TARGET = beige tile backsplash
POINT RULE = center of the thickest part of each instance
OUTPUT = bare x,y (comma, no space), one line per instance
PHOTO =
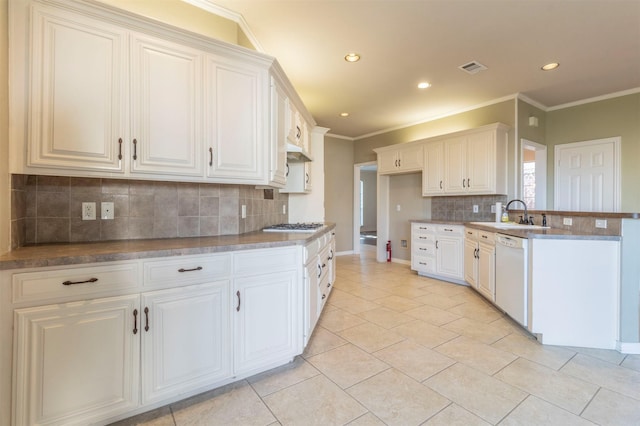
47,209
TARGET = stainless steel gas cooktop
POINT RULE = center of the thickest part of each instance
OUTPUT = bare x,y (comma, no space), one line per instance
294,227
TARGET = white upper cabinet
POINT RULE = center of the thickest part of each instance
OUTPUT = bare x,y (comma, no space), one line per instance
278,137
106,93
77,89
166,110
236,130
433,173
475,161
403,158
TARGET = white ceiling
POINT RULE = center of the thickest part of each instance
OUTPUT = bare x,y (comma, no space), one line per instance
403,42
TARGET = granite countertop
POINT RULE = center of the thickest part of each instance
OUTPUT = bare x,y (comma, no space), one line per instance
552,233
79,253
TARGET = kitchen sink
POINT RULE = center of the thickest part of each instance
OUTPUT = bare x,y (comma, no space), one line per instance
509,225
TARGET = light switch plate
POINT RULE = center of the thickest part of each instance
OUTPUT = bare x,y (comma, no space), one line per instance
567,221
244,211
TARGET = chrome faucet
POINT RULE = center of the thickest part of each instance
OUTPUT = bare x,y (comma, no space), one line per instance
524,221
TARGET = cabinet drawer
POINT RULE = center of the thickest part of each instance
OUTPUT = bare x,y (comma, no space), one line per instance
186,270
422,228
423,264
487,237
49,285
471,233
450,230
423,238
254,262
424,249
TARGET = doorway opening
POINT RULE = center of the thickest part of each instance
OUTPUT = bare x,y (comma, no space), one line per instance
365,205
534,174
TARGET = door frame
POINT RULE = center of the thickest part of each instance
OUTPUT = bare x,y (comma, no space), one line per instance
356,203
617,141
541,178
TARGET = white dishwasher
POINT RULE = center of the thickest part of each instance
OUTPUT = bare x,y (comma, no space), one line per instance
512,276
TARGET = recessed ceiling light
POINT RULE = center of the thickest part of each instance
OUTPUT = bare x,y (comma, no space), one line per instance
551,66
352,57
344,114
424,85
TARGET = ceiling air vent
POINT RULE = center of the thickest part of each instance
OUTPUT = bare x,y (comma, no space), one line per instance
473,67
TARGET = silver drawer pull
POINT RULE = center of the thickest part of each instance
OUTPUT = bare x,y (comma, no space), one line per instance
90,280
199,268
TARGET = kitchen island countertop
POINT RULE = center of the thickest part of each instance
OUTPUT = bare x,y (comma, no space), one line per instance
107,251
552,233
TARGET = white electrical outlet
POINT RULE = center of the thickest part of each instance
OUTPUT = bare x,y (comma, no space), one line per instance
475,208
107,210
284,209
88,211
493,208
601,223
567,221
244,211
398,207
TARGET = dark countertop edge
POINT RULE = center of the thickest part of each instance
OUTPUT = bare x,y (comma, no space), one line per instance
551,233
37,256
602,215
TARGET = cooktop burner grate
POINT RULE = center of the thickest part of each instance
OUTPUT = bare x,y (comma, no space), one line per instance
294,227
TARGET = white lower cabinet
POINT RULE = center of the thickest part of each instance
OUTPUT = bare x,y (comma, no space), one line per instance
437,250
480,262
319,277
94,343
76,362
186,340
265,324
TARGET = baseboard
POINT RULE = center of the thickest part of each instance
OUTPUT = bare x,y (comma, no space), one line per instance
401,261
344,253
632,348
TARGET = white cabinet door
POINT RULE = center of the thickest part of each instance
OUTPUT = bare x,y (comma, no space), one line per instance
449,251
77,362
486,271
278,140
481,162
312,311
433,173
410,158
401,159
165,108
455,159
78,90
235,113
471,262
186,339
265,324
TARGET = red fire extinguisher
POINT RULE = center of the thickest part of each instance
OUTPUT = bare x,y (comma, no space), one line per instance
389,251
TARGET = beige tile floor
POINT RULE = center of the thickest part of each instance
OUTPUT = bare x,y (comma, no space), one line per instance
392,348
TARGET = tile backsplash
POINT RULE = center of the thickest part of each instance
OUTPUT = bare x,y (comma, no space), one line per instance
47,209
461,208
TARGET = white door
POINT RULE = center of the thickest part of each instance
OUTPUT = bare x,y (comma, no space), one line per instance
186,343
77,362
588,176
166,115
